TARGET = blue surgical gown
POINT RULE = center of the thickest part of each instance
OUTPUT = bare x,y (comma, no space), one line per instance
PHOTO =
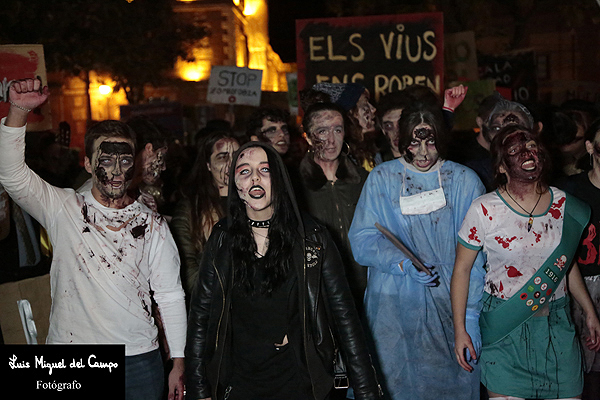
411,324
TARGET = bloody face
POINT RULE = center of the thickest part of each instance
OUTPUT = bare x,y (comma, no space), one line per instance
112,166
504,119
220,160
365,113
390,123
422,148
521,158
253,183
327,134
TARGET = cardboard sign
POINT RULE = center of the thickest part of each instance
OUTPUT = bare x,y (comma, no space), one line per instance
234,85
21,62
515,72
384,53
461,57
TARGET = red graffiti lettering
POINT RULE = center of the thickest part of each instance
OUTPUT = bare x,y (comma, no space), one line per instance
592,253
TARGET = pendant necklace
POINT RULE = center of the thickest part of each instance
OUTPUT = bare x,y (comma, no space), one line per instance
530,214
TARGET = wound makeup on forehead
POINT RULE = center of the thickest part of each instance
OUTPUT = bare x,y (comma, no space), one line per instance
423,133
518,137
114,148
511,119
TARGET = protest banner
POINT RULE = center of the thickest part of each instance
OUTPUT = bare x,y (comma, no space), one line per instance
514,71
460,57
21,62
384,53
234,85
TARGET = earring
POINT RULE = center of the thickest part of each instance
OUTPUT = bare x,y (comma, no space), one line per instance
591,160
345,146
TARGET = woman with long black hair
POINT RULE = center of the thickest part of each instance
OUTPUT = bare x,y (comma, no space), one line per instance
203,202
272,306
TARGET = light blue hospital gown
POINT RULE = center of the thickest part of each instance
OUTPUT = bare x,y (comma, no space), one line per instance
411,324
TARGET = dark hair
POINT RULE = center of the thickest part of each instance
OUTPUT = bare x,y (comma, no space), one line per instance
393,101
325,106
310,96
108,128
273,114
147,131
416,114
592,131
498,150
487,105
424,94
282,232
200,189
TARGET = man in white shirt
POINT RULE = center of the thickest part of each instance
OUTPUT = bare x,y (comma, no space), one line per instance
110,251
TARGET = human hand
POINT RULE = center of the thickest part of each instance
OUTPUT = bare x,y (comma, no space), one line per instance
27,93
593,325
420,276
176,378
463,348
472,328
454,96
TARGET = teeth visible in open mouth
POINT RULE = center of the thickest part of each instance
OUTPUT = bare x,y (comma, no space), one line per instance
528,165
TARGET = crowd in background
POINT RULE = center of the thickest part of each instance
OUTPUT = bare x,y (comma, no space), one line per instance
330,171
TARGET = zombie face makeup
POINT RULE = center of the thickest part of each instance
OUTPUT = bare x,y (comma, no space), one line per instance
522,162
501,120
220,161
277,134
327,134
253,183
365,113
422,148
153,164
112,167
390,125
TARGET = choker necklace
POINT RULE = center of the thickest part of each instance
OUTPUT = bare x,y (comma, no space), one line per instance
530,213
259,224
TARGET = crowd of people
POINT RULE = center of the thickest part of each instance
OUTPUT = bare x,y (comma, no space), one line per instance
370,251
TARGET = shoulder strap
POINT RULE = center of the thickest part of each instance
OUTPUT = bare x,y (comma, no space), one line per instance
498,323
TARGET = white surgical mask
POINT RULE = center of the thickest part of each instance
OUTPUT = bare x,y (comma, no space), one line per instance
424,202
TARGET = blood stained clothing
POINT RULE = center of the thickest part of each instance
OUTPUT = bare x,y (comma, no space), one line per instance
106,261
540,358
411,324
513,253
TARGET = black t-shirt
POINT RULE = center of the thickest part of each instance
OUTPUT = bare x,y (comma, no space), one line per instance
589,249
261,368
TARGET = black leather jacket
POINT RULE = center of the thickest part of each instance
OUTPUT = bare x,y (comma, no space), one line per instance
329,318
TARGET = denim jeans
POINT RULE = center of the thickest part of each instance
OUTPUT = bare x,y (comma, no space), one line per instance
144,376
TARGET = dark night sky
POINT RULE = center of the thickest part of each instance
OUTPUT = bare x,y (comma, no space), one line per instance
282,25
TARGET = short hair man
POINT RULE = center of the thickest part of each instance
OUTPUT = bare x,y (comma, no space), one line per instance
110,251
270,125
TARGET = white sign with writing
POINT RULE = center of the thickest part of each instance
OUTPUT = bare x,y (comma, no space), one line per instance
234,85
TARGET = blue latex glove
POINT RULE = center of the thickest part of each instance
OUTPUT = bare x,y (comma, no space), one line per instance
472,327
418,275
